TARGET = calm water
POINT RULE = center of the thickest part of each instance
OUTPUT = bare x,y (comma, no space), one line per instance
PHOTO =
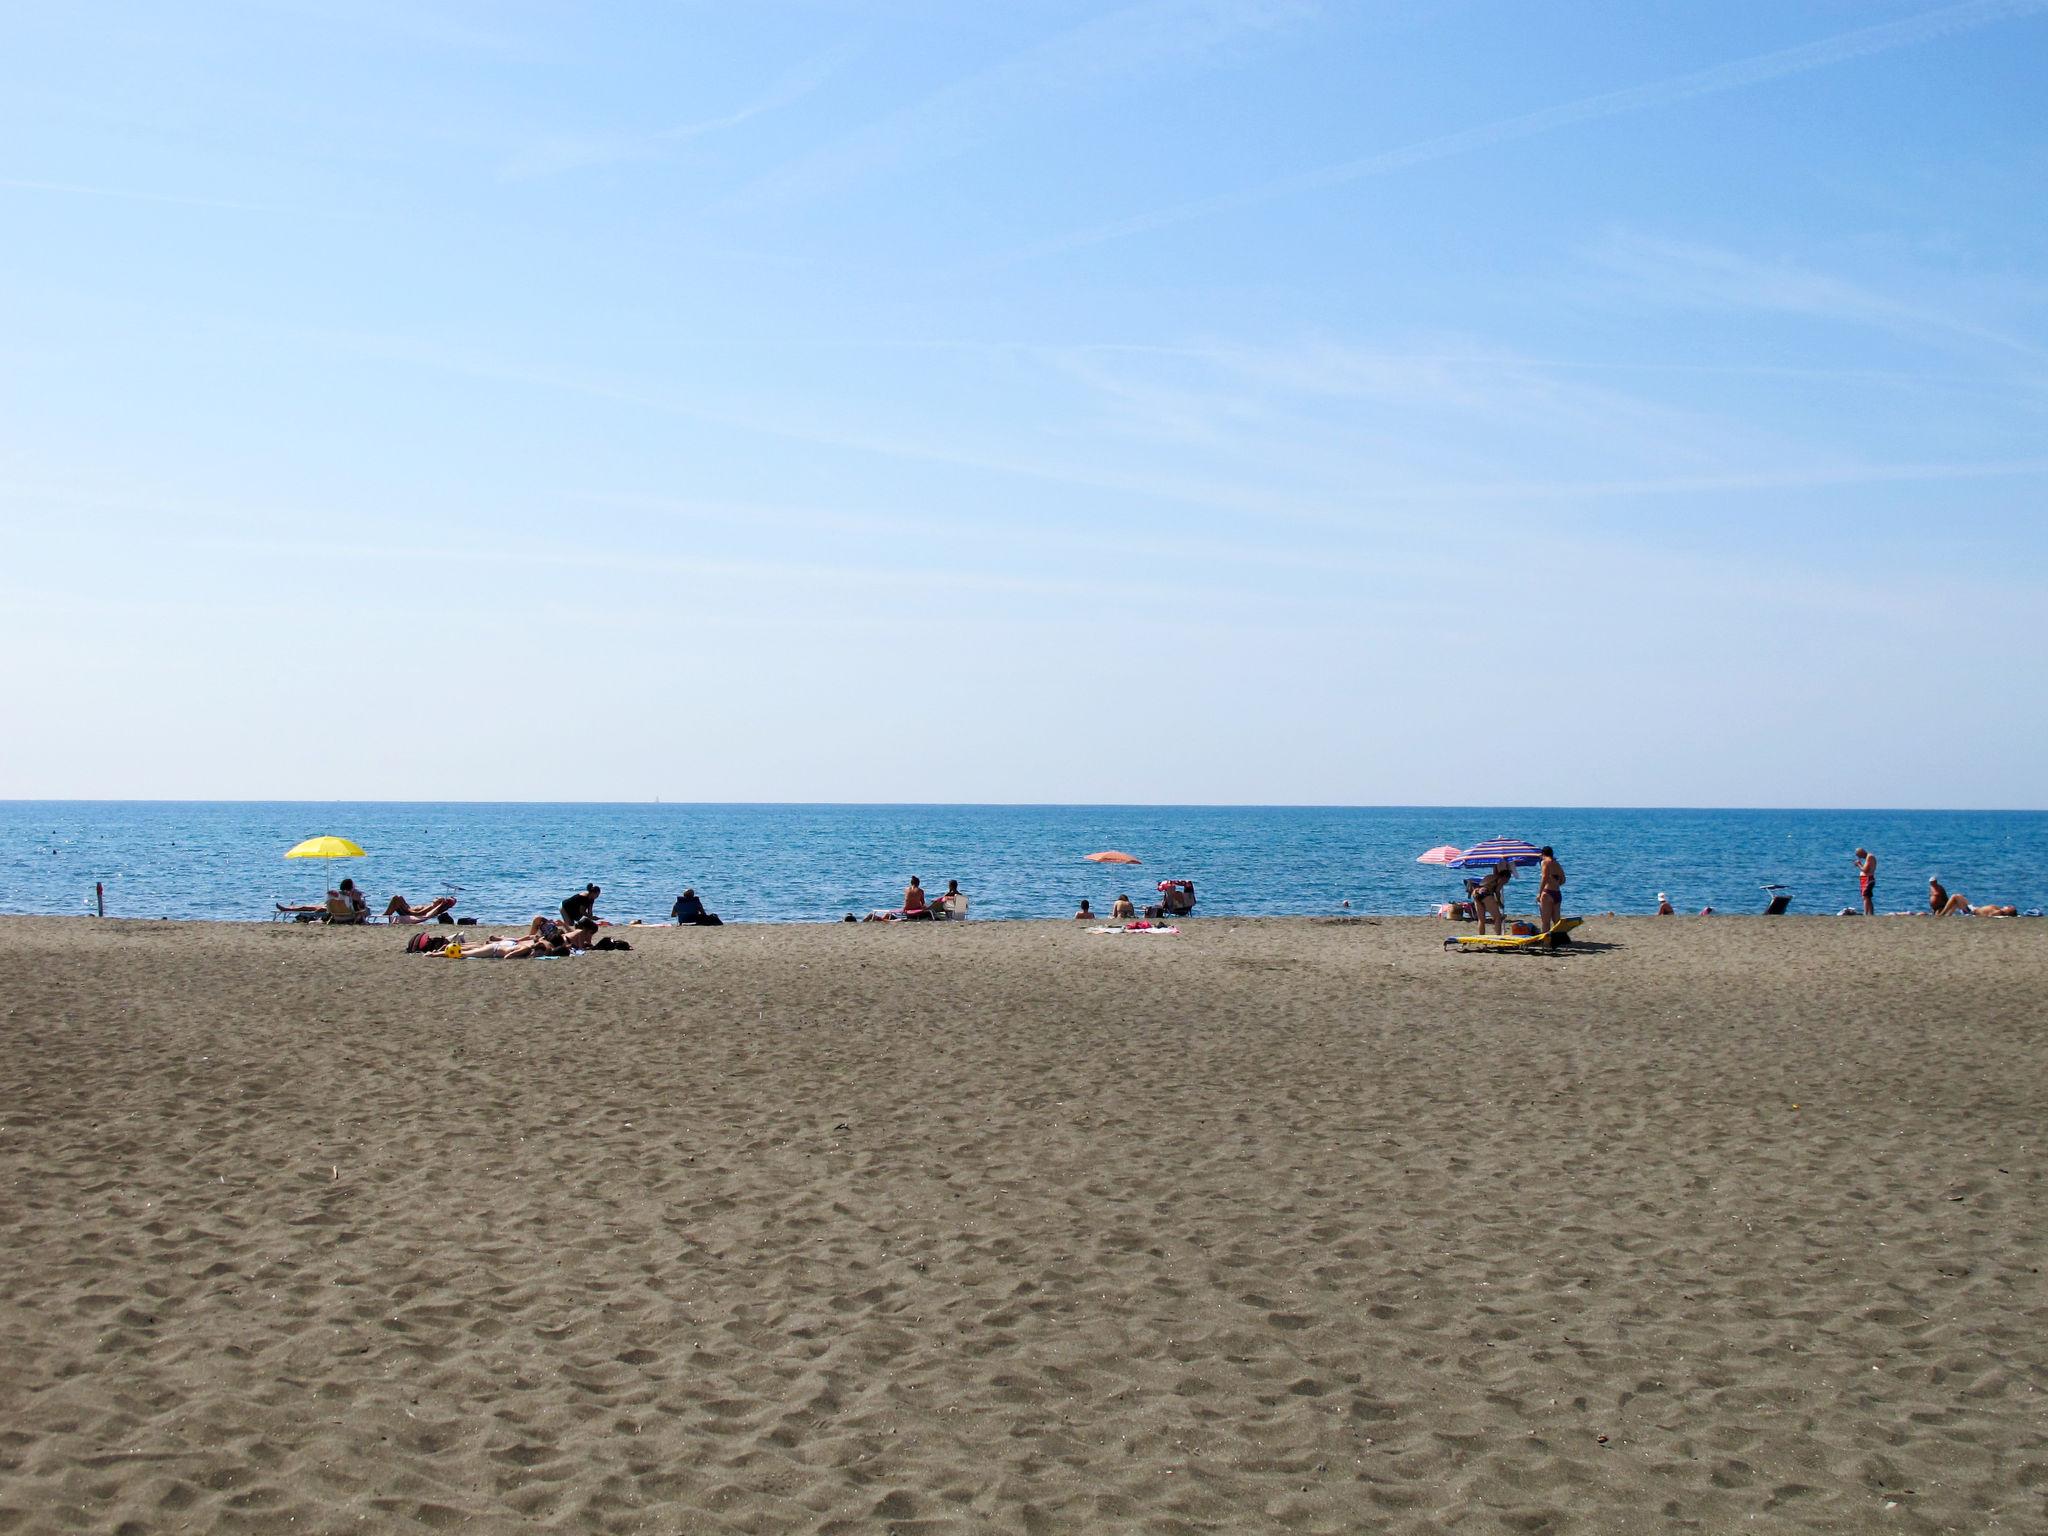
784,863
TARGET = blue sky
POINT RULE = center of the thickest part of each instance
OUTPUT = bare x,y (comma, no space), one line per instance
1189,400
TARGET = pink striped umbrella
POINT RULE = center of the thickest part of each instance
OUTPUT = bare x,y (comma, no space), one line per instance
1441,855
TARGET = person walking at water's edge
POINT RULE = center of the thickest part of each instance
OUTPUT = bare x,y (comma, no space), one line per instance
1866,880
1549,890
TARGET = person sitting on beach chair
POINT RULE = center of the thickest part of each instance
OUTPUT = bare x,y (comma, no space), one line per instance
399,910
951,905
346,905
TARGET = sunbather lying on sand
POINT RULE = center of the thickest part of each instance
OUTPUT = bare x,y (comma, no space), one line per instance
399,910
496,948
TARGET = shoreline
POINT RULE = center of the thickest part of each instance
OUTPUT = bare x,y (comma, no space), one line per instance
1338,919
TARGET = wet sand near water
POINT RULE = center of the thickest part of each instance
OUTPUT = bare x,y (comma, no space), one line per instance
1279,1225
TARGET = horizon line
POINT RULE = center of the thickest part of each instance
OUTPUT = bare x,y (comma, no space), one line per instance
1053,805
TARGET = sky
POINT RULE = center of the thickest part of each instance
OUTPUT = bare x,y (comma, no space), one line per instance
1616,402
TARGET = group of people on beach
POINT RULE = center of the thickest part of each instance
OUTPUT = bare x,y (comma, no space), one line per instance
347,904
1488,895
1485,902
1941,901
918,907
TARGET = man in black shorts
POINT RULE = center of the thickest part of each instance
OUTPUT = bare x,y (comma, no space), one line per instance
582,905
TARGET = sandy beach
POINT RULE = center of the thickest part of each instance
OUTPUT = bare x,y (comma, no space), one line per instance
1278,1225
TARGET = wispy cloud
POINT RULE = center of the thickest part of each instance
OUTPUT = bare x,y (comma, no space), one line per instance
410,21
1106,50
1842,48
1708,277
137,195
555,154
1395,435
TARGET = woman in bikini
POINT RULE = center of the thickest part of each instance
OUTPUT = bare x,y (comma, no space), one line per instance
1486,897
1549,891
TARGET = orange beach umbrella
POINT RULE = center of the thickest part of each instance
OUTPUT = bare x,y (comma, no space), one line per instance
1111,857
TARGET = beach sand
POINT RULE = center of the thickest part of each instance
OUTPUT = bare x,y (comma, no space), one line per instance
1280,1225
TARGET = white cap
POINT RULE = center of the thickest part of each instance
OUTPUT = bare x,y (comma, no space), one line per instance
1662,897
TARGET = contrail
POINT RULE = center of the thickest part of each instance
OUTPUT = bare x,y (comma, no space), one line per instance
129,195
1742,73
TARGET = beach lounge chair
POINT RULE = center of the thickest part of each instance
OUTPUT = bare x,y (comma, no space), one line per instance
1176,899
1779,900
1553,938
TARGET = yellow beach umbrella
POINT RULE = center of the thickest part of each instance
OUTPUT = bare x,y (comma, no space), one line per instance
326,848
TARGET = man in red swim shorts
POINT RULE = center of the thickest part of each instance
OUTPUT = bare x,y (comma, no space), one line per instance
1866,880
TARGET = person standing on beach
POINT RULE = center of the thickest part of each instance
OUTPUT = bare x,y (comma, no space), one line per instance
1549,890
578,906
1488,900
1866,880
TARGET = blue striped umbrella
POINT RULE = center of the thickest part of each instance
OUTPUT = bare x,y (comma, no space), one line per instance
1498,850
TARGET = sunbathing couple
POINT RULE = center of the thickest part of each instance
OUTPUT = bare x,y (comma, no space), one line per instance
1942,904
916,909
544,939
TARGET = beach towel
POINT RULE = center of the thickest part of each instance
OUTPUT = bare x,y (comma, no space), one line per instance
1158,928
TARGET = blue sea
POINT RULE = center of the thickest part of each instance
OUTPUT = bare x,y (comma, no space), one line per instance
809,863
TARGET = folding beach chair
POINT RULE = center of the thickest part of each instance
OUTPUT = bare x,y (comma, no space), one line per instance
341,910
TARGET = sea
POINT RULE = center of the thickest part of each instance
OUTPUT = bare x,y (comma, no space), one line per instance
815,863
